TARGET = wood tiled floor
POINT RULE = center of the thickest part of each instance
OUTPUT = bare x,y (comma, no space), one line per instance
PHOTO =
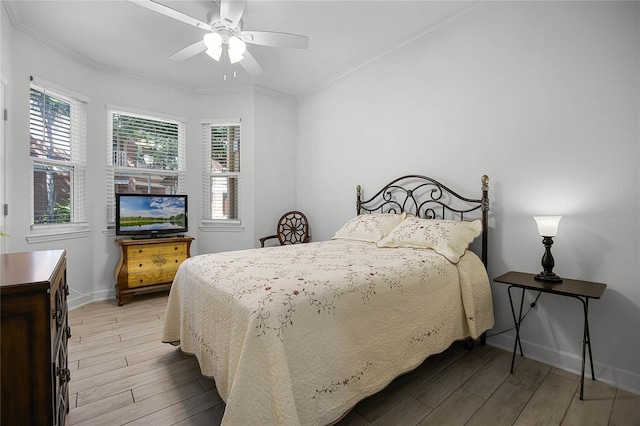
123,374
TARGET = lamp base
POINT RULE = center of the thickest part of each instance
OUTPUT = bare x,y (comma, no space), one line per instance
548,277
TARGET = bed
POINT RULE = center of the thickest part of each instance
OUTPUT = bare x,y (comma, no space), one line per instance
298,334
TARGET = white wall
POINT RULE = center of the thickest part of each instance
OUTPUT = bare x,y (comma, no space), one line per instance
241,106
268,163
542,97
275,161
92,259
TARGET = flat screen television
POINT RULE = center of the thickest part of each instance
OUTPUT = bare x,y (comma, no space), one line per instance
151,215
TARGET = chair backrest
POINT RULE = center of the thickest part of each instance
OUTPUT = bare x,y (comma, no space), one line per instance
293,228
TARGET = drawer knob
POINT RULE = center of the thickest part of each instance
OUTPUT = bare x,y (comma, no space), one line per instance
140,265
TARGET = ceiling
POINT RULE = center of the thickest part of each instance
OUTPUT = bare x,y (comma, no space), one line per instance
121,37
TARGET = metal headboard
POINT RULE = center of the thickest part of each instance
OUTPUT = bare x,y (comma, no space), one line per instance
427,198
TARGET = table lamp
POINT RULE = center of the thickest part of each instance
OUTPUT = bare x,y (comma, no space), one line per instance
548,228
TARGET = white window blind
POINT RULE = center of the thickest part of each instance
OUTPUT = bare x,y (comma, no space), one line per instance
57,147
221,170
147,155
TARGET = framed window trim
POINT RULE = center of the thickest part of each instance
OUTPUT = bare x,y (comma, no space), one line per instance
113,170
218,225
46,232
55,232
221,225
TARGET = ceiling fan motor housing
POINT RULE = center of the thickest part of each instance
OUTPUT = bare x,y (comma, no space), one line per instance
218,25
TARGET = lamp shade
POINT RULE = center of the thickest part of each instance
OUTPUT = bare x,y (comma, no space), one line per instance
237,47
547,225
213,41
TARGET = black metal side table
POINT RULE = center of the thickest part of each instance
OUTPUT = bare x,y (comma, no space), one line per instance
581,290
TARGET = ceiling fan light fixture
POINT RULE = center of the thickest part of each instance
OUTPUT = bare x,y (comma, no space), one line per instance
213,41
237,47
215,53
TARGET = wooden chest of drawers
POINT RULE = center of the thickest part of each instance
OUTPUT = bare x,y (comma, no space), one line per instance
149,264
35,331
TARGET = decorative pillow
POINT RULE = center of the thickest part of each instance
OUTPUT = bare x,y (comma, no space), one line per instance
369,227
450,238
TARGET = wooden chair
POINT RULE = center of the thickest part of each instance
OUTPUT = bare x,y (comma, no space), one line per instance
293,228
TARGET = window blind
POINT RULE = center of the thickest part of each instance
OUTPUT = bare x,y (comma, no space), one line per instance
146,155
221,170
57,147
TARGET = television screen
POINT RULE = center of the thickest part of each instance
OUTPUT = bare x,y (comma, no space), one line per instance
151,215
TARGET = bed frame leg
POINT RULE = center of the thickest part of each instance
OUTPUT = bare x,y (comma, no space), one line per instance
470,343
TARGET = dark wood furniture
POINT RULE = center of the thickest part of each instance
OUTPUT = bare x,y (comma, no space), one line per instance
293,228
581,290
35,330
148,265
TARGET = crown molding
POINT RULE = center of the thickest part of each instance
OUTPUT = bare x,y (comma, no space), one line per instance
250,89
15,19
455,19
273,93
17,23
12,12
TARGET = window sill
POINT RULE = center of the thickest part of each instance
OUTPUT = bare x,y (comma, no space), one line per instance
47,233
221,226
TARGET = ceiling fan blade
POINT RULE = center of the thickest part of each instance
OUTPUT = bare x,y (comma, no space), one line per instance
189,51
269,38
231,11
172,13
250,64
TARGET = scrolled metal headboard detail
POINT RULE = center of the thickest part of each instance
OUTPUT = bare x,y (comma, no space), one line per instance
425,197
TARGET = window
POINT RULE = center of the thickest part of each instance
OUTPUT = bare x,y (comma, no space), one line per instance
221,171
147,155
57,146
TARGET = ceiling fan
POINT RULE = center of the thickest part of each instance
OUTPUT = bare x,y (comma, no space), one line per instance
226,39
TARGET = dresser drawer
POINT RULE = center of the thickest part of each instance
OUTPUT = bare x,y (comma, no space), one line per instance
151,250
151,277
155,263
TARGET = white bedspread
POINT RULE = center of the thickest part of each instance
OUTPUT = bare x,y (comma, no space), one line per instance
299,334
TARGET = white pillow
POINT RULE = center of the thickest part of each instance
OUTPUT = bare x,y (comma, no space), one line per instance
450,238
369,227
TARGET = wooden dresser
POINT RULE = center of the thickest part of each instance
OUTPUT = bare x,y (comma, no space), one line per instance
34,334
149,264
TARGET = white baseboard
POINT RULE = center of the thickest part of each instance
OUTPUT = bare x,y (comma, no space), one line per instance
571,362
77,299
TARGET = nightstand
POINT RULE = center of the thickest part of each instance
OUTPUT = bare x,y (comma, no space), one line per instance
581,290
